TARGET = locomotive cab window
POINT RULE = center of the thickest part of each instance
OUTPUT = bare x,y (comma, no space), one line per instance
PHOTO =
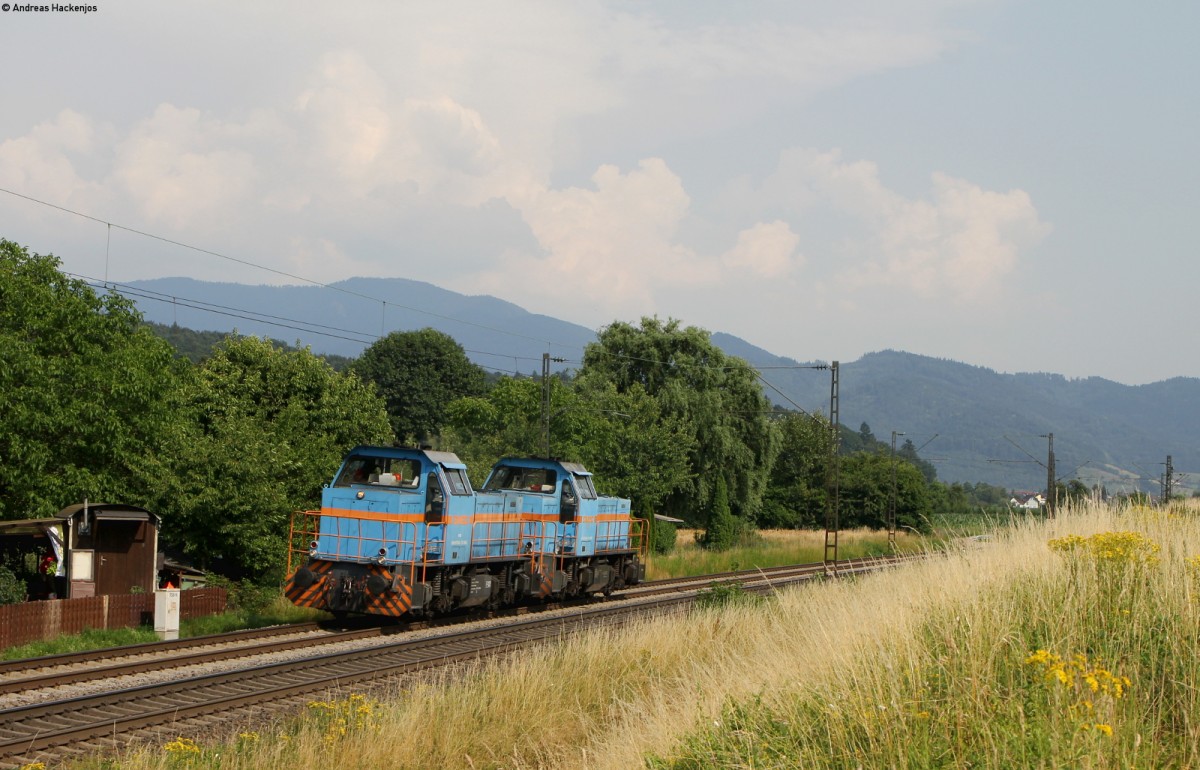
529,479
457,479
380,471
586,490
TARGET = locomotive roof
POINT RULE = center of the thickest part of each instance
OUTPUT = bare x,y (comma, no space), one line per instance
448,459
543,462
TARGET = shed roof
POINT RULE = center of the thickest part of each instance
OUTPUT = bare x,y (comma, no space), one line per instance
27,526
108,512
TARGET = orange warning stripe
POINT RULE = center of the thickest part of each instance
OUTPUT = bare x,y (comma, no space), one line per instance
347,513
388,603
309,597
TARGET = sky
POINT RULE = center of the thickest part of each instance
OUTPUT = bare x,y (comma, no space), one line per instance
1006,184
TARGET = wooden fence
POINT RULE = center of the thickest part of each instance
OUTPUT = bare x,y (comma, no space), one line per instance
33,621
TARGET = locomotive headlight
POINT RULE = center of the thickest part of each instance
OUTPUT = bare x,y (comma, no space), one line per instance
312,548
359,495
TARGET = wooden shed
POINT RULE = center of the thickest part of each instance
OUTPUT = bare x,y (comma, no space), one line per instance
84,550
110,549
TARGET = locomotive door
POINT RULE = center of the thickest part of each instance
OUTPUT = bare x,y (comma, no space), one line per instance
121,555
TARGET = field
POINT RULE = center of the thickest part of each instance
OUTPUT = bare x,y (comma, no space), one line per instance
770,548
1069,643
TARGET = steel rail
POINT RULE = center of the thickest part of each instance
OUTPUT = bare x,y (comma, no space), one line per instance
65,668
55,724
200,650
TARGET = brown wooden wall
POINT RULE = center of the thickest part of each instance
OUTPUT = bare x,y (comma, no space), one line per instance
32,621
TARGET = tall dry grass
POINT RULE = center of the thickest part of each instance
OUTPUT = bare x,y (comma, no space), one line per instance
968,659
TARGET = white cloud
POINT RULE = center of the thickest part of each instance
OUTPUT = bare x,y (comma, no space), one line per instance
955,245
767,249
448,109
179,166
345,113
42,162
615,244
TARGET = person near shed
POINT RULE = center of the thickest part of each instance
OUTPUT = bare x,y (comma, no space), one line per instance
47,566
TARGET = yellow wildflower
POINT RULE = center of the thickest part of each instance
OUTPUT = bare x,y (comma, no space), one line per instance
182,746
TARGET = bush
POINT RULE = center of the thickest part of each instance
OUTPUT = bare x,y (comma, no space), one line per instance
662,537
12,588
724,595
245,595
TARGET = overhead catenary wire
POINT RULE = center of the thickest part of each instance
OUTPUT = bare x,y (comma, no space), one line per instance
268,319
314,328
258,266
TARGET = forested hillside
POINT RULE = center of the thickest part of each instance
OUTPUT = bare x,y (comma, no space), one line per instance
989,425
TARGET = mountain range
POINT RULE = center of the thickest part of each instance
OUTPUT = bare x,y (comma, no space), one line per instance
973,423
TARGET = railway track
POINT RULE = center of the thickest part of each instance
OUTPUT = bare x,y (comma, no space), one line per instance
56,671
52,729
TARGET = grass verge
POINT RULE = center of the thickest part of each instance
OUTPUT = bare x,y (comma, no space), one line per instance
1007,653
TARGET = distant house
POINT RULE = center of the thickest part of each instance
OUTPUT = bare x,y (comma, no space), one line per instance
1029,501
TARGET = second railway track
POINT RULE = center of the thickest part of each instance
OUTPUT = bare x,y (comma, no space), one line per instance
38,730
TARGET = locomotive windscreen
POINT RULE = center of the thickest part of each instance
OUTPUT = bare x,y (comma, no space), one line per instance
513,477
382,471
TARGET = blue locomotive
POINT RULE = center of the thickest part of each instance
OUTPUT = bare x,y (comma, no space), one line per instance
401,531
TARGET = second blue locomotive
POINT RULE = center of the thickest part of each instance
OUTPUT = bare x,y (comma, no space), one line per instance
401,531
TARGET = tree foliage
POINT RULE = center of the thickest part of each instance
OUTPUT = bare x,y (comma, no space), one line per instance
418,374
623,438
196,346
263,430
721,529
866,483
713,397
85,391
796,494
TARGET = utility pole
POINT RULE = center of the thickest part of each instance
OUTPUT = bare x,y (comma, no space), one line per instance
546,403
892,500
1051,480
1168,482
831,501
546,359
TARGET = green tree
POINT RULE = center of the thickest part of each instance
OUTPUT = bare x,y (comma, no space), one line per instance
418,374
721,529
796,491
85,390
265,429
713,398
633,450
866,487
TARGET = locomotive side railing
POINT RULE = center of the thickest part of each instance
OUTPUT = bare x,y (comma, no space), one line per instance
639,537
302,531
359,540
538,542
497,535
